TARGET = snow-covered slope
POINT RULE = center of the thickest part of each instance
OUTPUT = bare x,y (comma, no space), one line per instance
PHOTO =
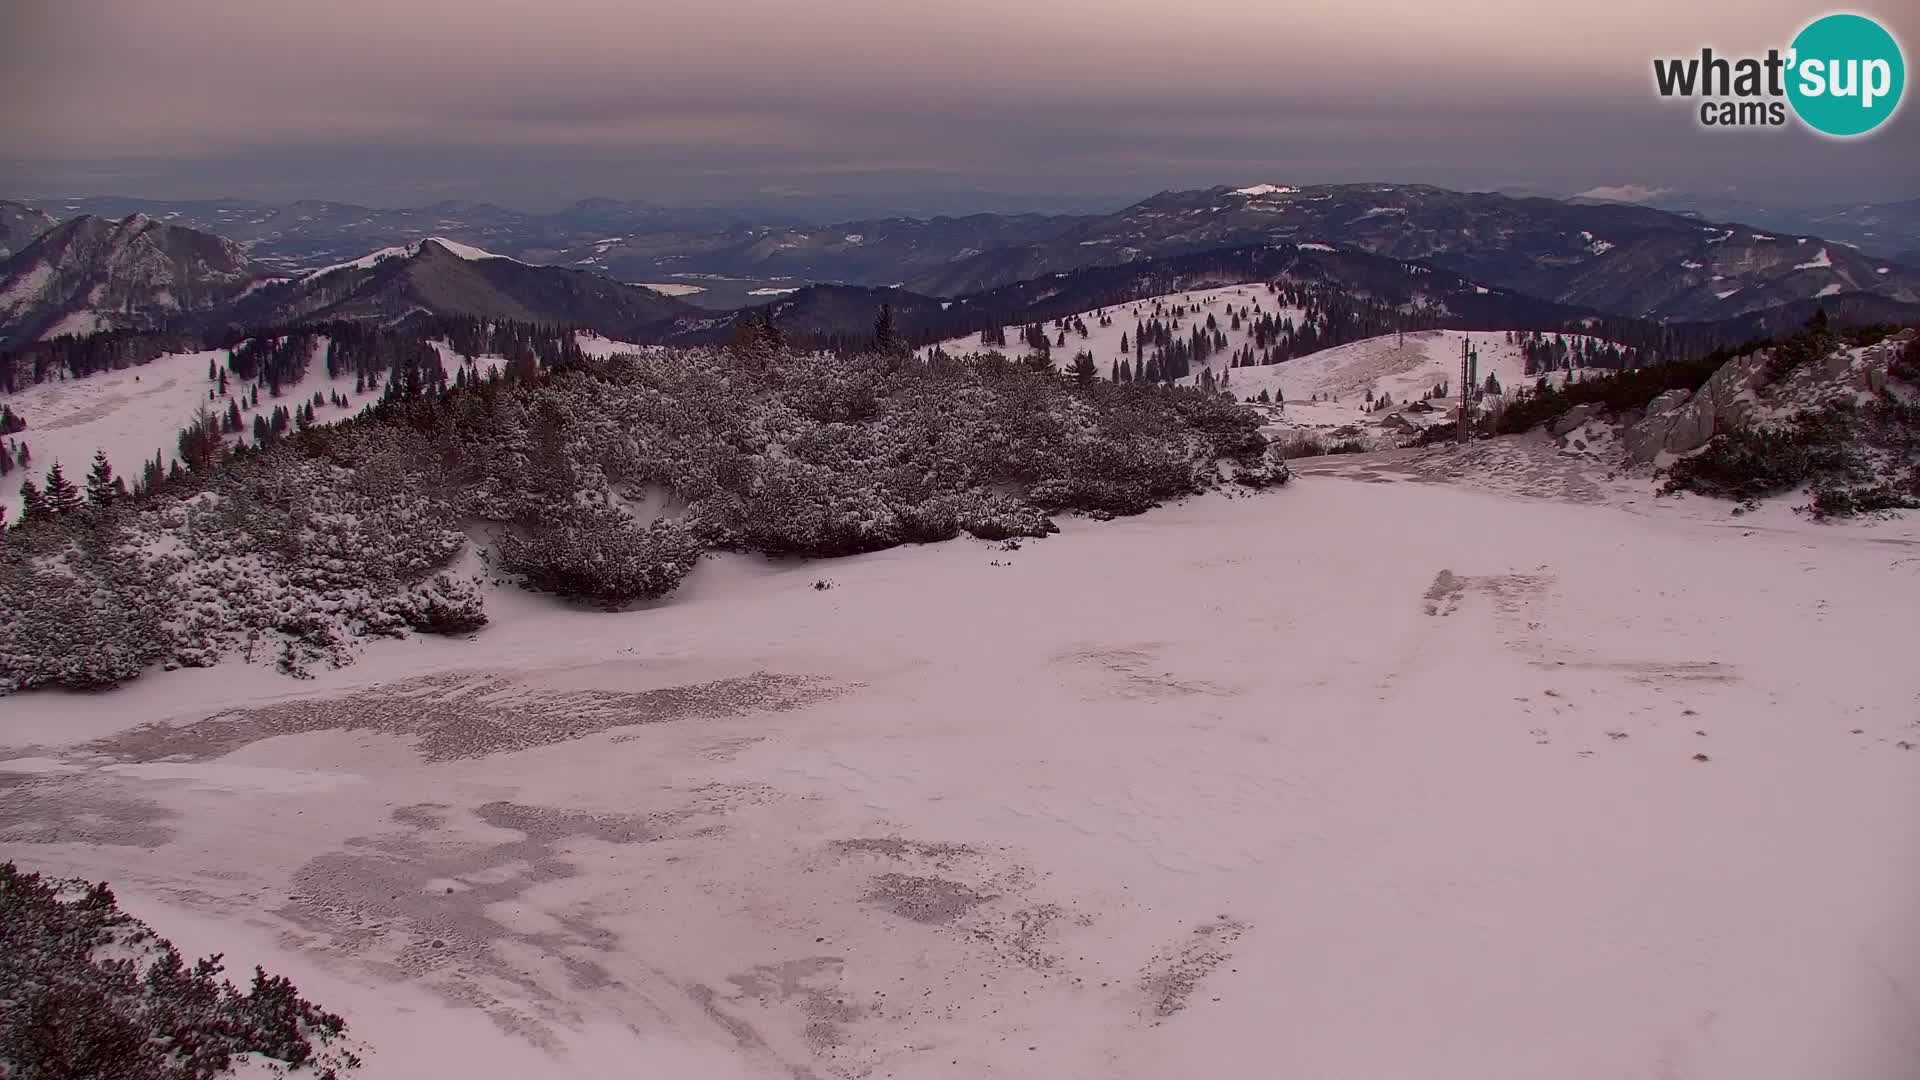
134,412
1104,341
408,251
1242,788
1403,367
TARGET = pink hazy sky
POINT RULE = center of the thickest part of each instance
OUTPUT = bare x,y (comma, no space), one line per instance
562,98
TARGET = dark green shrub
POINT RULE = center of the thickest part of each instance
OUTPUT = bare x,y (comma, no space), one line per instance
602,557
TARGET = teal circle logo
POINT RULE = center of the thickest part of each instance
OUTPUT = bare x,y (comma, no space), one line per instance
1847,75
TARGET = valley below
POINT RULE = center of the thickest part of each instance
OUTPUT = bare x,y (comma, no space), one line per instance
1421,765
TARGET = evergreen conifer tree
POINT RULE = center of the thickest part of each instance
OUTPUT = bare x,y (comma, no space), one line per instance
886,334
103,488
33,505
63,498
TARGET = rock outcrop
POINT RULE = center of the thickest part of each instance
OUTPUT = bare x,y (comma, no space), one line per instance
1678,423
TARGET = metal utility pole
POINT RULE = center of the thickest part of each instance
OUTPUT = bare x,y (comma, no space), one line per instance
1466,393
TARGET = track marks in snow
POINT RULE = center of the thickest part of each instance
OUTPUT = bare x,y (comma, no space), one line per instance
1136,672
934,901
60,809
430,904
461,716
1443,596
1170,980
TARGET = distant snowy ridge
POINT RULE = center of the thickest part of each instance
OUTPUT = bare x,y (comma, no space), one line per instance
407,251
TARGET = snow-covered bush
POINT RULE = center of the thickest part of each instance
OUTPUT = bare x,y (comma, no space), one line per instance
605,479
602,556
76,614
86,990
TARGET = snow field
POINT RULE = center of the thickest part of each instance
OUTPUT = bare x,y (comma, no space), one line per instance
1245,786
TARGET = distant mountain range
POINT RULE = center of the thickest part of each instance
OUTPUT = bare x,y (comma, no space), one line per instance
20,225
1624,260
889,251
1575,256
443,277
92,274
1889,230
309,234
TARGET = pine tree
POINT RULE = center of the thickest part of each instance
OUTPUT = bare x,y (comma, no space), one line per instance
1083,369
153,473
63,499
200,442
33,505
103,488
886,335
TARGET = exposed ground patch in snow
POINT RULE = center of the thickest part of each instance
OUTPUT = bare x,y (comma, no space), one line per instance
1225,790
